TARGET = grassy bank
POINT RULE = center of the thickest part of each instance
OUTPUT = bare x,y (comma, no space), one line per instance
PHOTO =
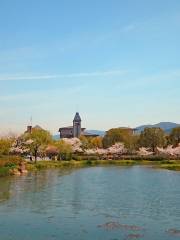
4,171
165,164
170,165
12,163
76,164
7,164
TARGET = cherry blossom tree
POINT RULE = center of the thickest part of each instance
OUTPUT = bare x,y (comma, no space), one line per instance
90,151
75,144
20,147
99,151
167,151
117,148
51,151
170,150
144,151
177,150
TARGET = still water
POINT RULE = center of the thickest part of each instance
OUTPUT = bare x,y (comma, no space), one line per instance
99,203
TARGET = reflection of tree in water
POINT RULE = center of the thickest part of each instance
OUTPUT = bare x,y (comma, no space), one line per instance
35,191
76,193
5,185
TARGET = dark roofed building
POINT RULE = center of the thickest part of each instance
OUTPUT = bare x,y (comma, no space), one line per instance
68,132
76,130
77,117
30,128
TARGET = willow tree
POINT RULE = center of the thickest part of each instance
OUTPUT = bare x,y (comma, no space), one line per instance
175,136
5,145
37,140
117,135
64,150
152,138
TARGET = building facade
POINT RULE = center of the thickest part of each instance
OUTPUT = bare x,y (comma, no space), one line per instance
76,130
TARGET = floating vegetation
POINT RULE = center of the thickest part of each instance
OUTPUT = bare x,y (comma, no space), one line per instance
117,225
174,232
134,236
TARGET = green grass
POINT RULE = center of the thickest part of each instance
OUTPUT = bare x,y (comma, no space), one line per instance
7,163
61,164
5,170
170,165
165,164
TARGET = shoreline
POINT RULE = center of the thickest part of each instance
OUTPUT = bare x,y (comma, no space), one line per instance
165,164
173,165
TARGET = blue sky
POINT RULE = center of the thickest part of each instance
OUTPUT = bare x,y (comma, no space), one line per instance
116,62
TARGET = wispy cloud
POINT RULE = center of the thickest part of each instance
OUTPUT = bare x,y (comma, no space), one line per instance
129,28
59,76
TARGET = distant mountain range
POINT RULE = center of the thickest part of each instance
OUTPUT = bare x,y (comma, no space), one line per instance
166,126
98,132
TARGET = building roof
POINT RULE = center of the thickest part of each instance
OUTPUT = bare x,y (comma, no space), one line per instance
70,127
77,117
38,127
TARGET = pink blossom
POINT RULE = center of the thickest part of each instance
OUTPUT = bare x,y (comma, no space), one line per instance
29,142
18,150
75,144
101,151
170,150
117,148
144,151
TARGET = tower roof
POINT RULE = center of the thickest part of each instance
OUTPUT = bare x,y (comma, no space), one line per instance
77,117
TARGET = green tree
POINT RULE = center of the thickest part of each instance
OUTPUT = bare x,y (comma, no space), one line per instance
116,135
38,140
86,144
5,145
131,142
91,142
152,138
64,150
174,136
97,142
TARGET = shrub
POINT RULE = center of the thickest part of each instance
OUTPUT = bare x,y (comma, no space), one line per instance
9,160
65,156
4,171
77,157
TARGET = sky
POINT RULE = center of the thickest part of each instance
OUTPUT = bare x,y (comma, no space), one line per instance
117,62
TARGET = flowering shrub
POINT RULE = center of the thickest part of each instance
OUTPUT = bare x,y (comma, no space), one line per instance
98,151
144,151
19,147
170,150
117,148
75,144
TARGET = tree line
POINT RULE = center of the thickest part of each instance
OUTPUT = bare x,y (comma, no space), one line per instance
40,144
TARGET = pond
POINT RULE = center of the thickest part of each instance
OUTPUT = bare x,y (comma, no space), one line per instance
108,203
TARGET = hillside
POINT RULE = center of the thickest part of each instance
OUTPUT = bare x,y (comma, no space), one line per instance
166,126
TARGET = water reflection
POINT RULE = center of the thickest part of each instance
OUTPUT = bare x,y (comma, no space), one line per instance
5,185
133,202
30,190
